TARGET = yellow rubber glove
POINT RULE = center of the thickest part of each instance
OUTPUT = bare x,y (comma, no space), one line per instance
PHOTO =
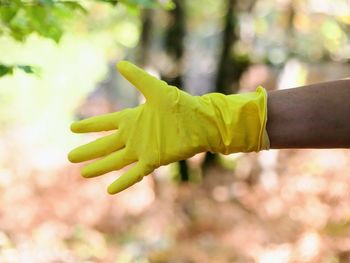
170,126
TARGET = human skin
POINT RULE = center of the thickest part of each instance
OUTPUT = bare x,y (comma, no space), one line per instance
313,116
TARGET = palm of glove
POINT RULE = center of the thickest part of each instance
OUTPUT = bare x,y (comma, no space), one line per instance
158,132
161,131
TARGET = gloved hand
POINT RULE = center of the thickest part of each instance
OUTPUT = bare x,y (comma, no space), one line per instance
170,126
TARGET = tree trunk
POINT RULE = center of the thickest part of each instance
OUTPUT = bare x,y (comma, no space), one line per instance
230,65
145,37
174,45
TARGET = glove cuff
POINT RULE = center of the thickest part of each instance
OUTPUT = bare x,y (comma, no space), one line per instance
264,141
239,121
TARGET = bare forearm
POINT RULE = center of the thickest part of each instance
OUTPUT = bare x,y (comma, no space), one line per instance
315,116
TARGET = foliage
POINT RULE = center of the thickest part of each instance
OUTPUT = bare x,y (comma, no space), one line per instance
9,70
47,18
19,18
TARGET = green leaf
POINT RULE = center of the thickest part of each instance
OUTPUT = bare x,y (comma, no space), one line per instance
47,2
143,3
45,22
20,26
27,69
113,2
169,5
74,6
9,69
5,70
7,13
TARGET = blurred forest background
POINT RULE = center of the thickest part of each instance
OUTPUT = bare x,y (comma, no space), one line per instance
57,64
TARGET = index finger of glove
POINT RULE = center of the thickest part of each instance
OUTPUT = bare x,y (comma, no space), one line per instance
148,85
104,122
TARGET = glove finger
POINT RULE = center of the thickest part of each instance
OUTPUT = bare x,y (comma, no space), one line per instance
104,122
112,162
148,85
97,148
132,176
